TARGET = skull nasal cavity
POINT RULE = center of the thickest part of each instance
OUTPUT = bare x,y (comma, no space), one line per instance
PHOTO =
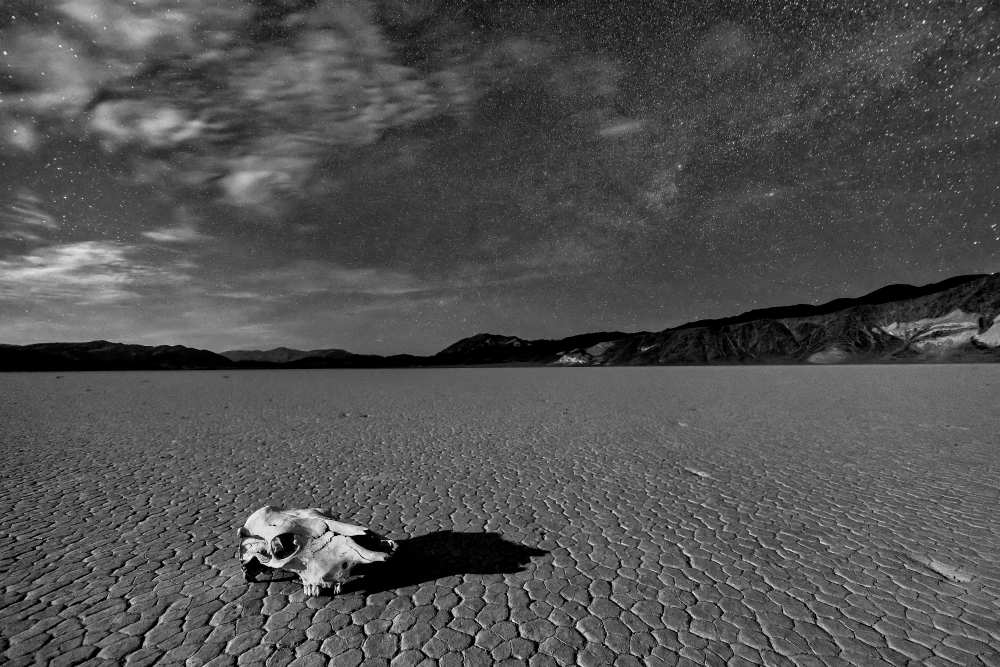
283,546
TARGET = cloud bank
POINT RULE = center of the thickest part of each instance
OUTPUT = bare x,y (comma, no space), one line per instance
239,99
562,160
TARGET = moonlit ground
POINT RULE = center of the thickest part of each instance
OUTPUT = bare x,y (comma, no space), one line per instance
719,514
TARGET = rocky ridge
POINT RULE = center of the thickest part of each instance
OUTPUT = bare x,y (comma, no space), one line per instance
955,320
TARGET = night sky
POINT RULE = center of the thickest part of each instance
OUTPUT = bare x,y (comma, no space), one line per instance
390,176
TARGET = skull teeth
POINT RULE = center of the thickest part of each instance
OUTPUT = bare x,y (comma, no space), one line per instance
311,542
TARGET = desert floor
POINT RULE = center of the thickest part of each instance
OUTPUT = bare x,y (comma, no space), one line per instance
776,515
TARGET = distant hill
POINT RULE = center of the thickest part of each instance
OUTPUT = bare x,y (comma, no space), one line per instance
103,355
494,349
955,320
284,355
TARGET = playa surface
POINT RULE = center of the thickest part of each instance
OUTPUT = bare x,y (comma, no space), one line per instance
597,516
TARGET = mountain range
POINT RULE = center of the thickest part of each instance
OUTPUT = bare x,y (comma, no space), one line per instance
955,320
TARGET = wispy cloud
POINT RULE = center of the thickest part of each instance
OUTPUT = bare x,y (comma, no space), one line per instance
621,127
558,257
184,320
239,295
209,326
89,272
24,217
315,76
315,277
186,233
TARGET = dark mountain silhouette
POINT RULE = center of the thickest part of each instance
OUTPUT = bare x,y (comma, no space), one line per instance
103,355
955,320
882,295
494,349
281,355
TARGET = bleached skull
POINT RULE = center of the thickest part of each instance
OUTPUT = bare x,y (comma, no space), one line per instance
309,542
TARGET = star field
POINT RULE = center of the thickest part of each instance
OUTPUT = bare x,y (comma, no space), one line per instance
388,176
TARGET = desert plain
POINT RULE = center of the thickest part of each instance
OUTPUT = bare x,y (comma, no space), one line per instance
842,515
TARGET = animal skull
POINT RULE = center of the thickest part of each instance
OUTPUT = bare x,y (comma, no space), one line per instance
310,542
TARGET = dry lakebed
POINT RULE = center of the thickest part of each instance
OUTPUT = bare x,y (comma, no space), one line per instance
844,515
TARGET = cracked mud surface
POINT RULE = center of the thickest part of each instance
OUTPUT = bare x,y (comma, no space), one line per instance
846,515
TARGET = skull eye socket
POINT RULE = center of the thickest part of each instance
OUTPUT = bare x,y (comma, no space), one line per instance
283,546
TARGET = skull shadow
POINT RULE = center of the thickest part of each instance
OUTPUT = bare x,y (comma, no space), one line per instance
445,553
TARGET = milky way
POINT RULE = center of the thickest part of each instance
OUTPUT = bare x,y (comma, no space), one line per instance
389,176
